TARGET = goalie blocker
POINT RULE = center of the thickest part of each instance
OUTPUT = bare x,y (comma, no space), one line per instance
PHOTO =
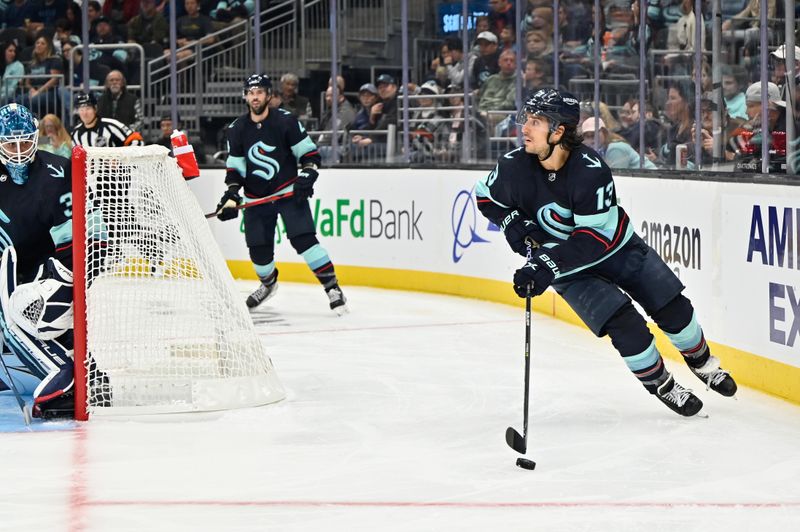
36,321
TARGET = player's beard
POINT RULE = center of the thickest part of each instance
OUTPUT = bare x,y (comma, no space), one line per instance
258,110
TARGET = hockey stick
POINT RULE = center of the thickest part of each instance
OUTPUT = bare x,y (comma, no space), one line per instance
262,201
513,438
26,414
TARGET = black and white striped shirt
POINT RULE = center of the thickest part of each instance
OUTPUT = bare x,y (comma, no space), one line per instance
106,132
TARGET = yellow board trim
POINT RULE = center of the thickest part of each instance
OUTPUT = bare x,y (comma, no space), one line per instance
754,371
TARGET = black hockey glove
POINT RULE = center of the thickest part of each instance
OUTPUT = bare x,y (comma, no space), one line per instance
226,207
520,233
539,273
304,186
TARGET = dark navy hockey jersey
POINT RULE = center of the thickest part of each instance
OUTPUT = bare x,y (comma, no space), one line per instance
263,156
36,218
574,207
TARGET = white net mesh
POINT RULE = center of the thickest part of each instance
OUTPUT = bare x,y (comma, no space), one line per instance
167,330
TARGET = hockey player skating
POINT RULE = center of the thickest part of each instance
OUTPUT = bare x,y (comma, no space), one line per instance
35,277
264,148
558,196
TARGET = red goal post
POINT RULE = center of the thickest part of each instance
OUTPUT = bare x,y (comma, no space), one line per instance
159,324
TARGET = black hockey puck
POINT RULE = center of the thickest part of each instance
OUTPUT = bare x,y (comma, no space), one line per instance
524,463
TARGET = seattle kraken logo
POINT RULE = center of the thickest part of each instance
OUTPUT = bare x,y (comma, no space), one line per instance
257,154
556,220
464,219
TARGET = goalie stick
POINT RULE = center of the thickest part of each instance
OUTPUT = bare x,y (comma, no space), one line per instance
262,201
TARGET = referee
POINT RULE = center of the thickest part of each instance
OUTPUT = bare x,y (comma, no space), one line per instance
100,132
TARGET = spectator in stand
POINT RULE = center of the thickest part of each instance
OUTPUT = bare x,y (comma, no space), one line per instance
778,62
574,24
498,92
46,13
19,14
42,93
63,34
74,16
501,15
679,110
425,122
120,11
449,134
538,74
384,112
367,97
164,138
97,72
629,128
194,26
118,103
53,137
727,126
508,40
346,116
149,28
751,15
776,113
298,105
93,12
339,82
612,147
233,10
11,72
487,63
453,61
104,34
538,45
732,82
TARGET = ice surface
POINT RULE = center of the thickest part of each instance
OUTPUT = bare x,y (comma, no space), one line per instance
395,420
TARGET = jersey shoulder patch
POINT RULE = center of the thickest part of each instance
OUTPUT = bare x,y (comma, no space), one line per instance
53,165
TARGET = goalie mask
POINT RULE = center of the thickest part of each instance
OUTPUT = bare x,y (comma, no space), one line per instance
43,308
19,138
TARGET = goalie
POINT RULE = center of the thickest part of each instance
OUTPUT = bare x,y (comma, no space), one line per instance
35,279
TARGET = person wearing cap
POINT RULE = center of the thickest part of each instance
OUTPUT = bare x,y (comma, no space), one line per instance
779,64
487,63
367,97
384,112
93,130
104,34
425,121
776,113
611,146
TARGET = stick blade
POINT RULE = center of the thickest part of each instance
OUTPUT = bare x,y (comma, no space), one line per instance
515,441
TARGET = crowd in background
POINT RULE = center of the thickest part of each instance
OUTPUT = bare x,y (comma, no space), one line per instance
39,37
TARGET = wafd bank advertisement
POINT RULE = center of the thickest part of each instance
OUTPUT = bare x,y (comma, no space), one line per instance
761,277
401,219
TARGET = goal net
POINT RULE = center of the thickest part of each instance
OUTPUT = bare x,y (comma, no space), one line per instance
159,324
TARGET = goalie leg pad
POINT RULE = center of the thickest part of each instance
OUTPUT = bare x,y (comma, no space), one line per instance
46,359
43,307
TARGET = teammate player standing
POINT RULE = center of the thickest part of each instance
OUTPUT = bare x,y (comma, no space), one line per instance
35,277
557,196
264,148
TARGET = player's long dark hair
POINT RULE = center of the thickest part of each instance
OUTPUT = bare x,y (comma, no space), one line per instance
571,139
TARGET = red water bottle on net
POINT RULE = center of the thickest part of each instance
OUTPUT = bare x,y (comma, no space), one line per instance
184,155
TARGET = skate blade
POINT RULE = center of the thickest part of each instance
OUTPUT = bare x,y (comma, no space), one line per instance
701,414
341,310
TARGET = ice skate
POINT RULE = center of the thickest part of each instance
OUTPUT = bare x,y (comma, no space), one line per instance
337,300
678,398
261,294
715,377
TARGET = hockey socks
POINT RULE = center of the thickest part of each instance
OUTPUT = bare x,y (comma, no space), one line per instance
320,263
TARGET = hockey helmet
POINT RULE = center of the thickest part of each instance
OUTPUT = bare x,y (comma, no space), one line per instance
560,107
19,138
255,81
85,98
